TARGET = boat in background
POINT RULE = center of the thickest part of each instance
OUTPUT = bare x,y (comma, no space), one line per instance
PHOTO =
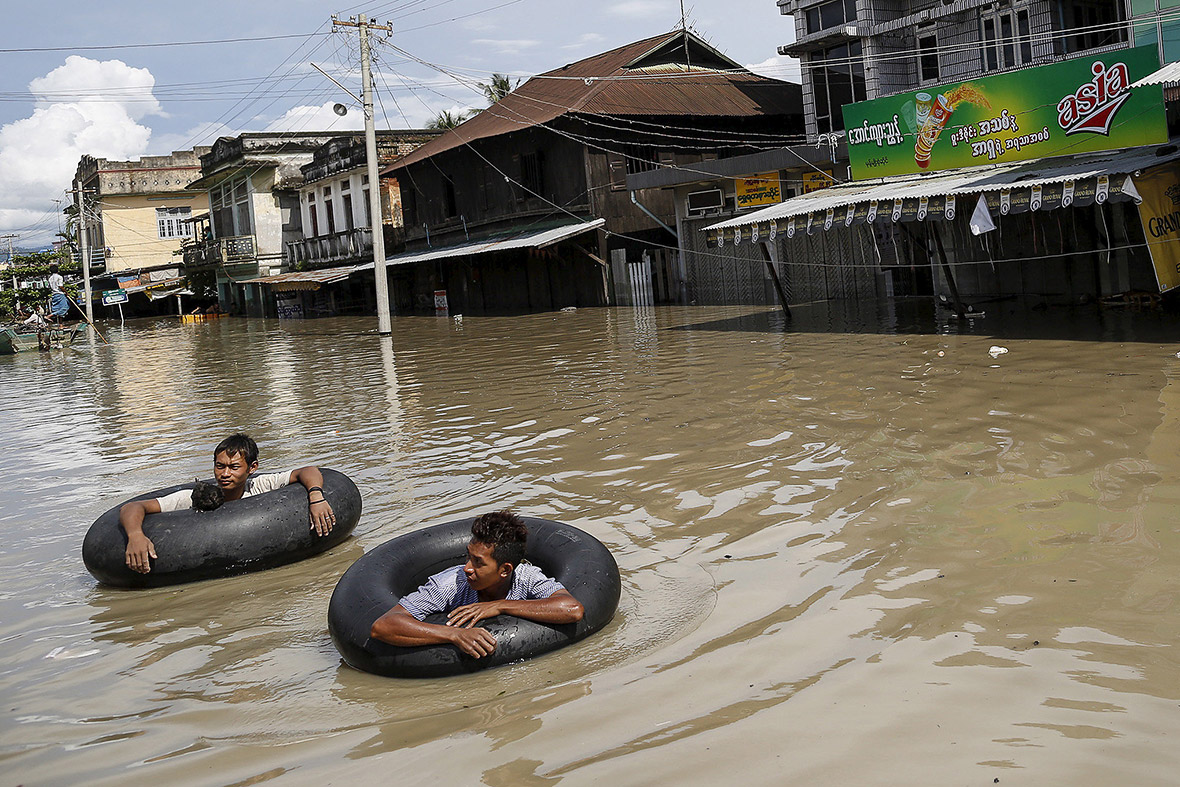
14,340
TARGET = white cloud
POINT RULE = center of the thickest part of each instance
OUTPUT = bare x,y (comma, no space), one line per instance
585,40
318,118
203,134
509,46
478,24
635,9
83,107
778,67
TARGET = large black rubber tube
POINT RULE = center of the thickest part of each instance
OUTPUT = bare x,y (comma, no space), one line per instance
378,581
256,532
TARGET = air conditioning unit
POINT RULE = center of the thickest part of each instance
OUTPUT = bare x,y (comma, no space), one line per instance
705,203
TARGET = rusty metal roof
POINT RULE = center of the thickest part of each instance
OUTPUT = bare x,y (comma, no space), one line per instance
648,78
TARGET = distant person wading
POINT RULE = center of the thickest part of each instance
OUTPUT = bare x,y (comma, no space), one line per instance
59,304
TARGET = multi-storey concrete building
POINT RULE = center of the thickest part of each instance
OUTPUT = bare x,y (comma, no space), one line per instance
136,212
337,224
853,50
250,186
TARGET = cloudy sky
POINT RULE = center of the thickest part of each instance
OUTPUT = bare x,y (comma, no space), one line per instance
153,77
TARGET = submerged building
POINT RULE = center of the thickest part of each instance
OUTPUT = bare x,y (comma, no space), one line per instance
527,204
995,151
133,217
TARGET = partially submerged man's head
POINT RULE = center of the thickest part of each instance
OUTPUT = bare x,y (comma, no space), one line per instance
497,547
207,497
234,459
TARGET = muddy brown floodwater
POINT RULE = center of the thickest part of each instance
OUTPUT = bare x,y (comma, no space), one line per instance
859,550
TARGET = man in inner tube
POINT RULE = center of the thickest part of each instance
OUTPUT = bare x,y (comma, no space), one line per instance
234,459
492,582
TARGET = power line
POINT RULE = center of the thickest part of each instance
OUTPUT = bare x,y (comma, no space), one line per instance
104,47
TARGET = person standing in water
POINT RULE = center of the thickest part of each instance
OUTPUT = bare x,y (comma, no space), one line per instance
59,304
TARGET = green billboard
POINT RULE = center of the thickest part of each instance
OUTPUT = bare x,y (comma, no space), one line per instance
1075,106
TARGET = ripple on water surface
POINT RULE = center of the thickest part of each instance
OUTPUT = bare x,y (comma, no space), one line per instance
843,551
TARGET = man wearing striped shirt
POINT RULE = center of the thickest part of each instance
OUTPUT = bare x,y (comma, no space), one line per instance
492,582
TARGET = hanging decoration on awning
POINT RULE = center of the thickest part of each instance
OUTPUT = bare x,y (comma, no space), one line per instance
981,220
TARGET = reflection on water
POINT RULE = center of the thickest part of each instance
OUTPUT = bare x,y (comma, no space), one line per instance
850,543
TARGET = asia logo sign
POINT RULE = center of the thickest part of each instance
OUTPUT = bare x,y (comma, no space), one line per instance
1075,106
1094,105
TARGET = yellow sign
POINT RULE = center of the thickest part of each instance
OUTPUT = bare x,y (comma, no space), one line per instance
1160,214
758,190
814,181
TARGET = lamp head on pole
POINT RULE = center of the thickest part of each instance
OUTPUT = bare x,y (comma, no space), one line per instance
340,109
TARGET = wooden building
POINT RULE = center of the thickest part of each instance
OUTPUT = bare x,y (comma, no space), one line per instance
550,159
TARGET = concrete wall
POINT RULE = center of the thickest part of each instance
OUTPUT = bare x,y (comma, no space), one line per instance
335,184
267,216
516,281
131,232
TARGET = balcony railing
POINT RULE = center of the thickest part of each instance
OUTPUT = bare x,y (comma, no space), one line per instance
350,245
219,251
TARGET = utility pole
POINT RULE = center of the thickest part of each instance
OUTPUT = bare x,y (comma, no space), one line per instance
10,239
81,203
362,23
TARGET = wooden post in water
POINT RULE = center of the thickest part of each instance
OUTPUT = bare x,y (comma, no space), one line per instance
778,285
946,268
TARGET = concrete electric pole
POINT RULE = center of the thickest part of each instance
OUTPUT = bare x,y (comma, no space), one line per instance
362,23
81,203
10,238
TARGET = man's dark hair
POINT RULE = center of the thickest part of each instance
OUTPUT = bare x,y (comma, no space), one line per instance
207,497
505,532
53,267
238,445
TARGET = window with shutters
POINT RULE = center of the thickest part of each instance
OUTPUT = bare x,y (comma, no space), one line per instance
641,158
618,171
173,222
532,174
450,202
928,57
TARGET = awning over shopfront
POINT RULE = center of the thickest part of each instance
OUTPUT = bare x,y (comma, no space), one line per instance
172,292
520,240
1168,75
151,287
1041,184
307,280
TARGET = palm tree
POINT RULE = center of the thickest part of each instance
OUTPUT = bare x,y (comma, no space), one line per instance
447,120
499,88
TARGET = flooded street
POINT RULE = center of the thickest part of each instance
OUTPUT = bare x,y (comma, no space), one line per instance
850,554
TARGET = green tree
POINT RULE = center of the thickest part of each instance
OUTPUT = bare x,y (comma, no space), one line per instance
447,120
499,88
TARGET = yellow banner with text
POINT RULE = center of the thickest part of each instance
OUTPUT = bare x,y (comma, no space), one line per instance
1160,214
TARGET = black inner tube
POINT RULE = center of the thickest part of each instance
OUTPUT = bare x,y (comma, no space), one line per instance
251,534
378,581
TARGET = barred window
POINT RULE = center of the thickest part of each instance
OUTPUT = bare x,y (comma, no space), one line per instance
173,222
532,174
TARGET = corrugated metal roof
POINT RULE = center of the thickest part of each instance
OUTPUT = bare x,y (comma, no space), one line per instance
621,82
961,181
155,295
529,240
307,279
154,285
1168,75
